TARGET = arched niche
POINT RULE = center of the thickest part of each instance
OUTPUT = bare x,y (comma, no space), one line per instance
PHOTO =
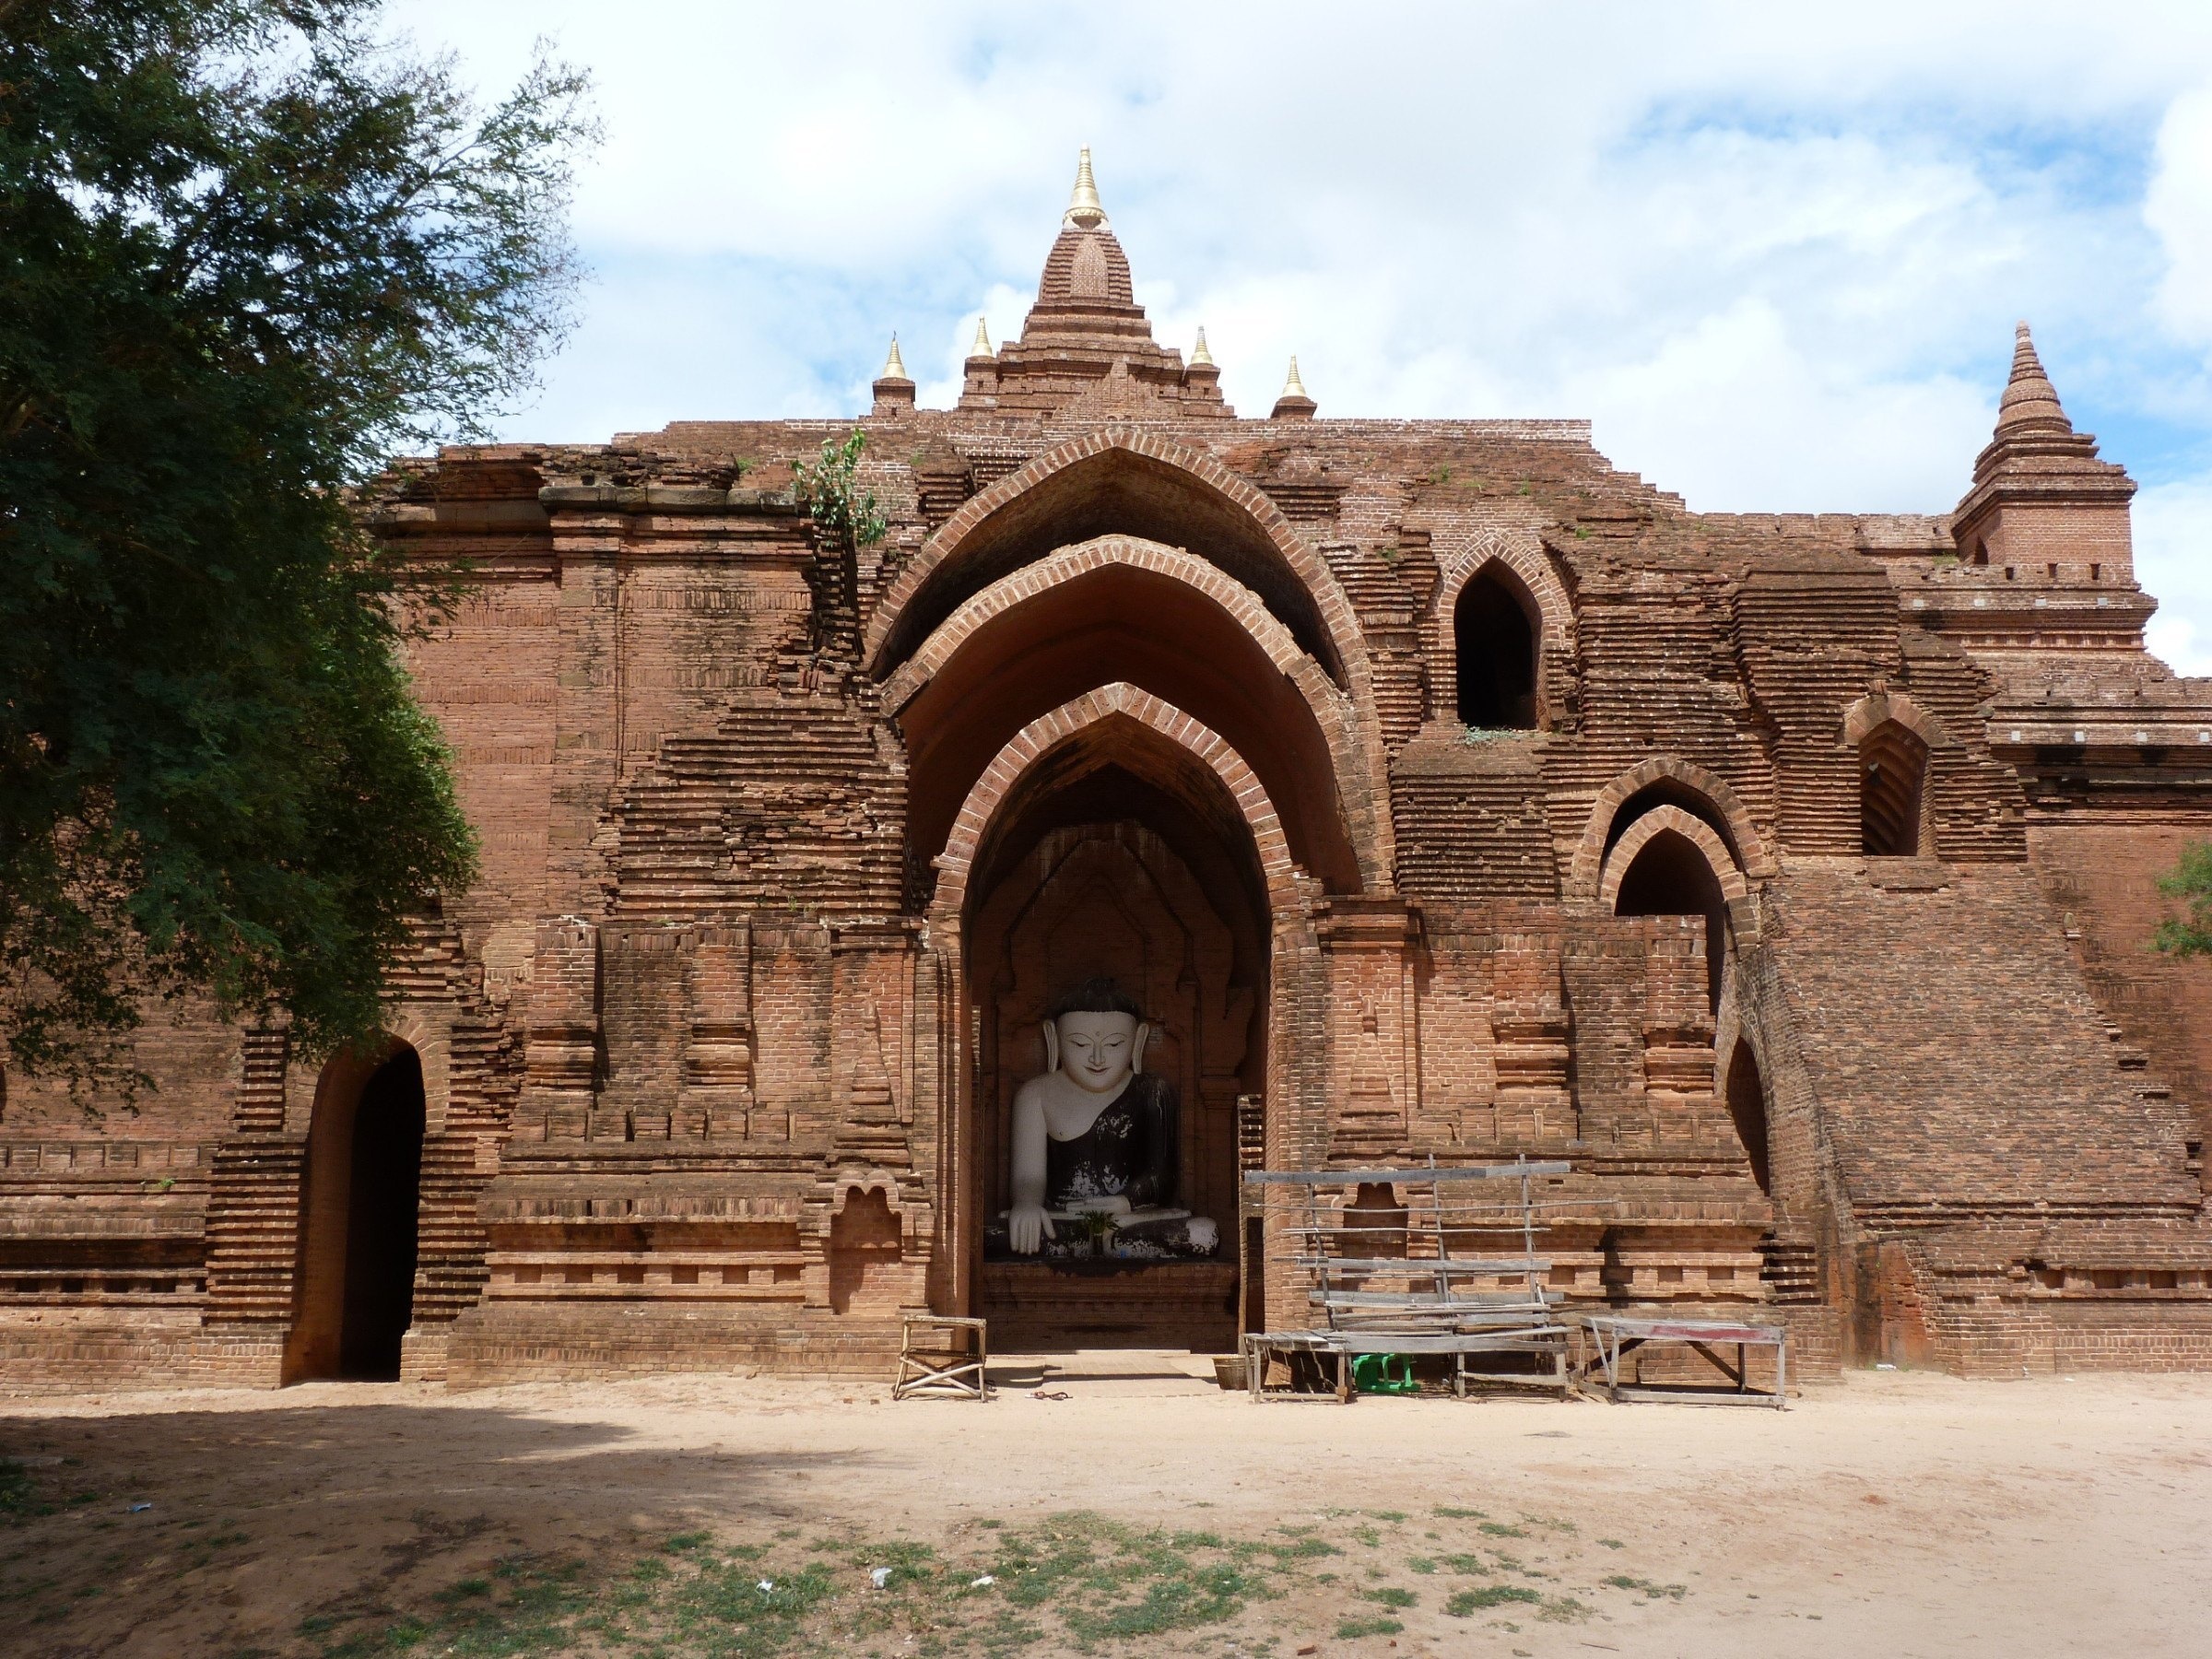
1120,483
360,1232
1665,780
1497,640
1669,863
1747,1095
1893,772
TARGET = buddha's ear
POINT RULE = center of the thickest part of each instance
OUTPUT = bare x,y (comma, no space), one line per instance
1051,1045
1136,1055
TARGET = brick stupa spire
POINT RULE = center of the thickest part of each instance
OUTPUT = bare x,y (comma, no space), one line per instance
2041,502
1086,341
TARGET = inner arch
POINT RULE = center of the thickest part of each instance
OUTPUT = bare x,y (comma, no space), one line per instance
1114,490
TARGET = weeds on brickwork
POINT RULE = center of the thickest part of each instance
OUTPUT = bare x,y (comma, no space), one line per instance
844,516
2192,883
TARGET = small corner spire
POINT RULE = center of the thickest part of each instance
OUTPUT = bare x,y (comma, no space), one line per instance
894,366
1084,212
2030,400
1293,386
982,339
1199,354
1293,405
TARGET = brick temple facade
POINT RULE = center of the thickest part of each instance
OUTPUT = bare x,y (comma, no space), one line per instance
1441,789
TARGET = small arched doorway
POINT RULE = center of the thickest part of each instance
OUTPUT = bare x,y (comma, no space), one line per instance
1668,874
1494,634
1747,1107
363,1204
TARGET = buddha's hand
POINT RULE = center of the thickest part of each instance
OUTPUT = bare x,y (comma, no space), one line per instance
1028,1227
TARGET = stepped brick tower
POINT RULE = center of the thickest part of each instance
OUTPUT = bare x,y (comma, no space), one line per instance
1440,791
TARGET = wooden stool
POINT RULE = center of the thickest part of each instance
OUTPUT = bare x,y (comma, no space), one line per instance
934,1361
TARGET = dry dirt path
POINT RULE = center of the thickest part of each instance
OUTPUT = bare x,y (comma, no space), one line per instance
1895,1514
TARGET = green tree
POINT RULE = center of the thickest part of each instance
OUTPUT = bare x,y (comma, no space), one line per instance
2192,883
248,249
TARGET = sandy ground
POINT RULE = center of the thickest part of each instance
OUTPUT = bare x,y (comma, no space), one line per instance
1895,1514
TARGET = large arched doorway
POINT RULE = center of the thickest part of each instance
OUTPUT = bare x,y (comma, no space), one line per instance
364,1168
1130,844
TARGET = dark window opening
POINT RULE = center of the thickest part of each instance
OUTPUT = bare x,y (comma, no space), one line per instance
1747,1107
1893,773
1670,877
1494,632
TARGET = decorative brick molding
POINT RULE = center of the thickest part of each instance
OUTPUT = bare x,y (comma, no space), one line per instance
1116,702
1879,708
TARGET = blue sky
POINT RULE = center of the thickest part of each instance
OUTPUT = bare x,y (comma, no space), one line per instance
1774,257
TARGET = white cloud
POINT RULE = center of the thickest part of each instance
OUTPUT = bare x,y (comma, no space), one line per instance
2178,207
2173,560
1773,252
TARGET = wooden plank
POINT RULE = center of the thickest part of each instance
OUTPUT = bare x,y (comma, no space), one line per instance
1455,1266
1512,1171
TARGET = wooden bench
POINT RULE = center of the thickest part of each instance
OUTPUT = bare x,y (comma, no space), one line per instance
1614,1337
1460,1276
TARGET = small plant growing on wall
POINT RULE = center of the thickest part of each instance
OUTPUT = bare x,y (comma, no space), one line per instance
2192,883
846,519
844,516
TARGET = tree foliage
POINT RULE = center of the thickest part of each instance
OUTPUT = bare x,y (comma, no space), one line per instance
2192,883
248,249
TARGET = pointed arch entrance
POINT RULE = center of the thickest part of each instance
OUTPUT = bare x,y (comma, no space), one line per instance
1116,836
363,1208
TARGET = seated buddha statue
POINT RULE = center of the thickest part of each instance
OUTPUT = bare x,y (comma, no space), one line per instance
1097,1135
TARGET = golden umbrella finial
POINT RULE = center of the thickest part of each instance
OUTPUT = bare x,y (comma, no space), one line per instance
1084,211
1199,354
894,366
982,340
1294,387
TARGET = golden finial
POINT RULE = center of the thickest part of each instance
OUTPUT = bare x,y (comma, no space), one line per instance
894,366
982,340
1199,354
1084,211
1294,387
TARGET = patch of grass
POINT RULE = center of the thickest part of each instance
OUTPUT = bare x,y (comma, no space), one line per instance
1390,1596
1498,1529
1565,1609
1420,1564
1622,1581
1466,1564
19,1500
1351,1629
1612,1544
680,1542
1387,1514
1449,1514
1469,1603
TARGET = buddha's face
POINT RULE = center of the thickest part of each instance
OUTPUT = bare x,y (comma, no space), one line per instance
1097,1051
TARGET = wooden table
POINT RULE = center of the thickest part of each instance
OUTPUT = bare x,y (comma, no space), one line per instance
1614,1337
